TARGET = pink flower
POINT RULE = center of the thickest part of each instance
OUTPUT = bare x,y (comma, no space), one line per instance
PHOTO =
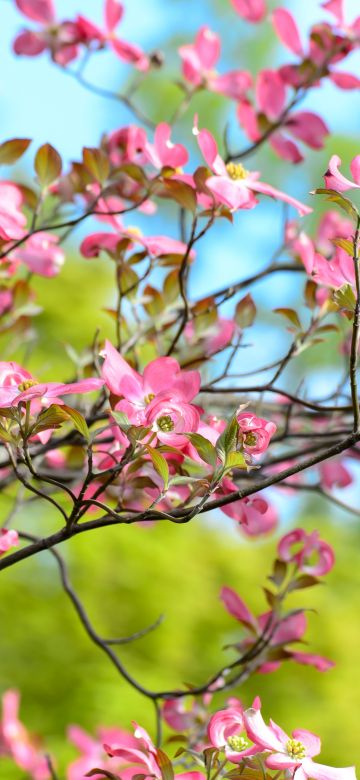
333,473
256,432
17,743
162,375
336,272
157,246
143,756
293,753
332,225
92,751
287,30
18,386
113,13
60,38
226,731
163,152
334,180
232,184
8,539
41,254
309,544
253,513
199,60
6,300
12,220
170,417
311,659
251,10
214,338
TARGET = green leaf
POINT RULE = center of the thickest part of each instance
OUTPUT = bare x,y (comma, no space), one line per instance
5,435
122,420
97,163
290,315
344,203
279,572
345,244
103,773
235,460
48,164
245,312
180,192
12,150
78,421
166,767
204,448
227,442
304,581
160,464
345,300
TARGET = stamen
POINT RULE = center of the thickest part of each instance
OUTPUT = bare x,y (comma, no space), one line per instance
238,743
295,748
236,171
165,423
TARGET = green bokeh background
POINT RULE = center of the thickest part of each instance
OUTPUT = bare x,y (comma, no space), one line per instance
128,576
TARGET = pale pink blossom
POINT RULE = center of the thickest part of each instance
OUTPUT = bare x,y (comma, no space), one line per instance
163,152
157,246
332,225
17,743
128,52
334,179
18,386
162,375
12,220
61,39
256,432
251,10
226,731
41,254
292,753
232,185
199,60
299,547
93,753
143,756
214,338
333,473
8,539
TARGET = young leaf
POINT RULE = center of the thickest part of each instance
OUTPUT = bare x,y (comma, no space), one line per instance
245,312
166,767
340,200
12,150
160,464
48,164
235,460
78,421
290,315
204,448
228,440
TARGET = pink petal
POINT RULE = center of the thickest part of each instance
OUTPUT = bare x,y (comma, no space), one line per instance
8,539
310,659
321,772
267,189
345,80
130,53
247,117
174,155
83,386
336,7
259,732
42,11
270,93
335,180
251,10
309,128
287,30
233,84
231,193
355,169
236,607
285,148
29,43
158,374
209,150
207,45
113,14
280,761
311,742
115,369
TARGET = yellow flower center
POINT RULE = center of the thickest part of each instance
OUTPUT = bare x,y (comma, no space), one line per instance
148,398
238,743
236,171
250,439
26,385
165,423
295,748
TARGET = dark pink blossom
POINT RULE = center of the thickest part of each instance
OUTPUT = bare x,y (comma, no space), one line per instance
299,547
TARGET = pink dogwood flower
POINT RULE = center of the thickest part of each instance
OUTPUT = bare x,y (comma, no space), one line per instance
157,246
298,547
140,393
214,338
8,539
12,220
128,52
334,179
293,753
18,386
199,60
41,254
143,756
250,10
253,513
16,742
93,753
61,38
256,432
163,152
170,417
232,185
226,731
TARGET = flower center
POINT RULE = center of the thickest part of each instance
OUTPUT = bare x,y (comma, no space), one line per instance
238,743
148,398
165,423
250,439
236,171
295,748
26,385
